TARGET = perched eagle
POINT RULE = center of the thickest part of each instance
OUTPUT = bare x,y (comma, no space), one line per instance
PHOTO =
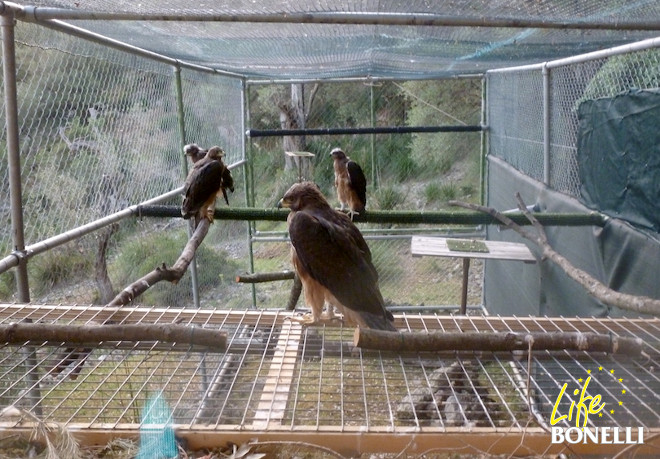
194,152
350,182
333,260
207,178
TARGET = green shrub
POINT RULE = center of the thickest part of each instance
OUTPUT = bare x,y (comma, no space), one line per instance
388,198
143,254
58,265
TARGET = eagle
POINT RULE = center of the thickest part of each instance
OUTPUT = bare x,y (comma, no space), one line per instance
195,153
207,178
350,182
333,261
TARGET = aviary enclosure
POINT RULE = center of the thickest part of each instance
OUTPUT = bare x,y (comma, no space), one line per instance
472,101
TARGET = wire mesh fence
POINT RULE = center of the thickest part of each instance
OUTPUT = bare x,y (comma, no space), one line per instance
516,110
103,129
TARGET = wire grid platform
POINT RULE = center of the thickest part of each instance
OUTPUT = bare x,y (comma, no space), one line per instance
278,380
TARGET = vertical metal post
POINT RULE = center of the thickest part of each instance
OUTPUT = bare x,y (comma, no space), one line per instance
373,138
484,142
16,195
249,184
546,124
13,154
182,138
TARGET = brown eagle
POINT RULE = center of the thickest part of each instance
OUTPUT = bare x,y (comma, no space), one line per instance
207,178
194,152
333,261
350,182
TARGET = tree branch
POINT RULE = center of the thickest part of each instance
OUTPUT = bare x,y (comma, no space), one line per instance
639,304
87,335
257,278
366,338
78,355
173,274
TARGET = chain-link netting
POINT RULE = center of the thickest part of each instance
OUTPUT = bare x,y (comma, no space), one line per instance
516,107
392,39
416,171
100,131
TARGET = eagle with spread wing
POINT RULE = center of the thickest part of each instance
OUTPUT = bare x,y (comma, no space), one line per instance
333,261
208,177
350,182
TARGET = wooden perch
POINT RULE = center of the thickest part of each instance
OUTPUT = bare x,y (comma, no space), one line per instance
257,278
639,304
93,335
494,341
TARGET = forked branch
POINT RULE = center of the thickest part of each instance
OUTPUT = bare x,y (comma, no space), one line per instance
638,304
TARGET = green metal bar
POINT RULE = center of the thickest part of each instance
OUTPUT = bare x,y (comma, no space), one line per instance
367,130
395,216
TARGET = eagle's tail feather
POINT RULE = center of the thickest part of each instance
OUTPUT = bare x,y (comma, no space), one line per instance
378,322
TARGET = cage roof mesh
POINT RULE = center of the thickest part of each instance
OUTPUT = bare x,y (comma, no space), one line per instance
307,39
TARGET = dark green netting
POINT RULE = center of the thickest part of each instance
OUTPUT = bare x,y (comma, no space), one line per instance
618,255
619,156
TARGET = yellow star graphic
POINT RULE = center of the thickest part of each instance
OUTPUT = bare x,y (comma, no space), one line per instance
589,371
600,415
580,380
623,391
612,371
600,368
620,403
612,411
620,379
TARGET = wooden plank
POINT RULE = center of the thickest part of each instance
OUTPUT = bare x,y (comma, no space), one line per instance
275,393
531,441
498,250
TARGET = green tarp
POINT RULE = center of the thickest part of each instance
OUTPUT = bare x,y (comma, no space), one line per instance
619,156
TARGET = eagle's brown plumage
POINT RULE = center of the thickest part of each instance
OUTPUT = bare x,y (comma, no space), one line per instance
350,182
207,178
333,260
194,152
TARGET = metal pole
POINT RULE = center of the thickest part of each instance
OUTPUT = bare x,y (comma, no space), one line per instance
369,130
71,235
184,162
249,184
41,13
484,142
16,197
13,155
373,138
546,125
581,58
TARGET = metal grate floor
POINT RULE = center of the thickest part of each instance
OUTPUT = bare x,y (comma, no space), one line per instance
278,379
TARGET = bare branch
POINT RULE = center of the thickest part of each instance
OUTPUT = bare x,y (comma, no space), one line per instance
638,304
494,341
173,274
78,355
18,333
257,278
